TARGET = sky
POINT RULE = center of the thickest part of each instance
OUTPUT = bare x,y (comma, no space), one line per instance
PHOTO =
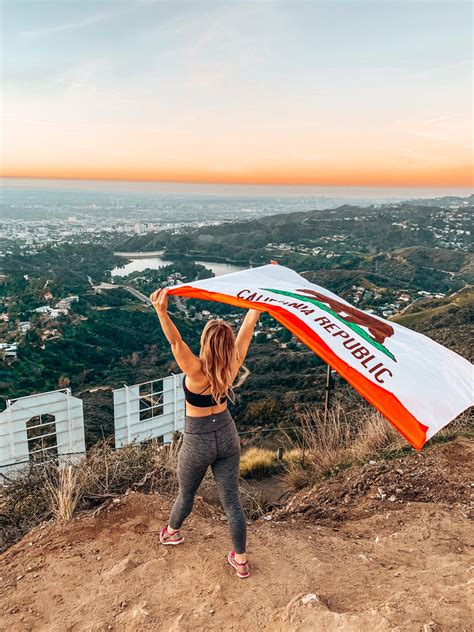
342,94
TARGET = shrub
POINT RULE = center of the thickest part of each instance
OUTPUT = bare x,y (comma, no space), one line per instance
327,443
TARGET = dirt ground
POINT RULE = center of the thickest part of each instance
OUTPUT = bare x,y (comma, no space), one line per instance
441,473
402,565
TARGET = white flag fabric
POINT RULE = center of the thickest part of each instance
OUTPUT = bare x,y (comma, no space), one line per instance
416,383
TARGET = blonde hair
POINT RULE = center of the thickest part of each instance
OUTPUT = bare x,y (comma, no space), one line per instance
219,357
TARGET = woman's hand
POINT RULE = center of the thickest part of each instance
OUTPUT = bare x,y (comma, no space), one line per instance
159,300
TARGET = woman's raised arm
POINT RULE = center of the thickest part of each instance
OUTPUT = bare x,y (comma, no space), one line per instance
244,337
185,358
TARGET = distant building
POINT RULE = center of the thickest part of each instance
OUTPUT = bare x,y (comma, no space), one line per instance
9,349
24,326
47,310
63,306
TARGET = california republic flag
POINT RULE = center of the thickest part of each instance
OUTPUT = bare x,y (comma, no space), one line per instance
416,383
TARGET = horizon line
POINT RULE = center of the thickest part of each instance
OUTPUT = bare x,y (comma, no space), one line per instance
243,183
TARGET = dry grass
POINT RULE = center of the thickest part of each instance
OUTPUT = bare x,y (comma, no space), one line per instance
257,461
254,502
108,472
293,454
325,444
64,490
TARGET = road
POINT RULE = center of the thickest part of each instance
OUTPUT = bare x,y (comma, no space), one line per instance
452,274
128,288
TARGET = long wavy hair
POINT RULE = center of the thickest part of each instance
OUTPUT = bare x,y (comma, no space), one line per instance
219,357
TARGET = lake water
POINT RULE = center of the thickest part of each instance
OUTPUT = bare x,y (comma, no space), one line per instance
142,263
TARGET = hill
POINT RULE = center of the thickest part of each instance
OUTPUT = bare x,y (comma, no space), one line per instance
344,557
426,246
448,320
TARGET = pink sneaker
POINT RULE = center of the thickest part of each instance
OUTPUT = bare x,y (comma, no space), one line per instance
168,538
241,568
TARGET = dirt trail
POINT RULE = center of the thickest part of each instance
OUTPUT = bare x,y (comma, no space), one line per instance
398,570
243,376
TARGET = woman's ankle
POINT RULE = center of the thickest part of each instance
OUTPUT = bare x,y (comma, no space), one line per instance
241,558
170,530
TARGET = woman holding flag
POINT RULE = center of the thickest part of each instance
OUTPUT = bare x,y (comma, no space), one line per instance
210,435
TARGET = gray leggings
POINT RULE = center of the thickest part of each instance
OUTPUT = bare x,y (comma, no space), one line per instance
211,440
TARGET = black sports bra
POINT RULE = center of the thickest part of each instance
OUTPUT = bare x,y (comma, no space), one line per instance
199,400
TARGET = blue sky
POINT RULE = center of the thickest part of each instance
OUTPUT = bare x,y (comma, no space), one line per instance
216,90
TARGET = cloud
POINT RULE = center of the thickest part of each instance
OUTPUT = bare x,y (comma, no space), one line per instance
66,26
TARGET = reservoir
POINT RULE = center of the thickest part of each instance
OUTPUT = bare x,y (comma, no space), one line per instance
141,261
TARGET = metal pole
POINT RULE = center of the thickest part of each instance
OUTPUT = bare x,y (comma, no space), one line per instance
327,391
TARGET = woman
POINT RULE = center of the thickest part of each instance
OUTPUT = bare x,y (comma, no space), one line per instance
210,435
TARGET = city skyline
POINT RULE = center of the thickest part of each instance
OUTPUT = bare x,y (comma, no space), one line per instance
335,94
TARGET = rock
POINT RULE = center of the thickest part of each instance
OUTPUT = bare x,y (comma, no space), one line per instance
309,598
125,565
140,612
392,499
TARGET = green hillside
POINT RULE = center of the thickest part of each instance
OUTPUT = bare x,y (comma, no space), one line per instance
449,320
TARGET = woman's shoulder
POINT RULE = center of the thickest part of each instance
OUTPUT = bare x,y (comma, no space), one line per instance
196,381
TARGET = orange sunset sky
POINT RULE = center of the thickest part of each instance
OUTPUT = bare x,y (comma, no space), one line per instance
329,93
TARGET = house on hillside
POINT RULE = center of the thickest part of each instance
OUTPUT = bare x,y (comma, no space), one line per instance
8,349
46,310
24,326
